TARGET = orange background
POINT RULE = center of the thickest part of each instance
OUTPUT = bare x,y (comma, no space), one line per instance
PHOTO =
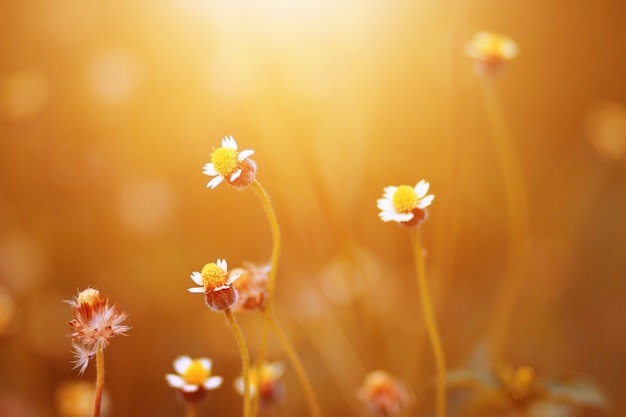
109,110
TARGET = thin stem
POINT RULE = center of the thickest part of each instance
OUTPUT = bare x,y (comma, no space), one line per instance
297,364
245,361
271,285
192,410
97,401
431,326
517,207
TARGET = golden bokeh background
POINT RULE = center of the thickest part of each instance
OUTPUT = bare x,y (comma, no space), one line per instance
109,110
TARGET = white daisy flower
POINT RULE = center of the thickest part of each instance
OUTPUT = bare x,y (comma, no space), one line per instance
229,164
193,375
402,203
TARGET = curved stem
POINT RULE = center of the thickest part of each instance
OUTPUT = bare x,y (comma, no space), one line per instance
431,326
245,360
271,285
299,368
97,401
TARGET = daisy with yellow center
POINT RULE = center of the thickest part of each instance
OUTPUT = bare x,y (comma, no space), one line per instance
231,165
216,284
487,46
193,375
264,381
490,53
402,204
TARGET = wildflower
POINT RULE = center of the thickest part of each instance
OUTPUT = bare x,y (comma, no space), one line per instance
193,378
216,284
405,204
264,380
513,390
230,165
251,286
383,394
490,52
94,323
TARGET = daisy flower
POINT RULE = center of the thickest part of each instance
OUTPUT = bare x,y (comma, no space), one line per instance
383,394
251,286
264,380
405,204
193,377
216,283
227,163
93,325
490,52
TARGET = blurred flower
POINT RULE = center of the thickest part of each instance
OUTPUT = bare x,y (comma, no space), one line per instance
606,131
193,375
230,165
93,325
490,52
383,394
405,204
520,391
264,380
216,284
75,399
251,286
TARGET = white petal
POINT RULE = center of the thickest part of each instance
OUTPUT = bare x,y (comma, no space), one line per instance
385,204
209,169
190,388
197,278
206,363
229,142
234,274
215,182
421,188
425,202
387,216
222,264
238,384
213,382
182,363
245,154
390,191
235,175
197,290
277,369
175,380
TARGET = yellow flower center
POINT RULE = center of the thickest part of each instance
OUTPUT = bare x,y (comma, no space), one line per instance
225,161
89,297
404,199
196,373
213,276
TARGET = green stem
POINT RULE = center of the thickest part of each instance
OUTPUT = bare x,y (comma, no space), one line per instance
245,360
99,382
431,326
299,368
271,285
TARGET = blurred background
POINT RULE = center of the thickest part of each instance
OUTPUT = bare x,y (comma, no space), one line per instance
109,110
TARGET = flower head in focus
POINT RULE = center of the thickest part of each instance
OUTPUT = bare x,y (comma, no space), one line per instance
94,323
227,163
216,283
383,394
405,204
264,381
193,378
490,52
251,286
